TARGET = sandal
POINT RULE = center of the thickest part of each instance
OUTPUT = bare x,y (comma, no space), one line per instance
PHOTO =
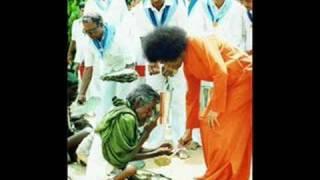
193,146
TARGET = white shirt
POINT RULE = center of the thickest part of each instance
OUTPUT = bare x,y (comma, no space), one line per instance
79,37
232,25
144,25
185,3
112,11
198,20
76,31
230,28
115,58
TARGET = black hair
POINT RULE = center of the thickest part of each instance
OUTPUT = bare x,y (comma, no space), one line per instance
93,17
165,44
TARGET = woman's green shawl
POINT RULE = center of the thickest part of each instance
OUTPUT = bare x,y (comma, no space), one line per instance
119,133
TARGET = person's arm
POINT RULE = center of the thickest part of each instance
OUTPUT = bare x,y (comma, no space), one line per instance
213,52
145,150
137,154
147,130
219,75
72,45
87,75
157,152
71,51
86,79
164,149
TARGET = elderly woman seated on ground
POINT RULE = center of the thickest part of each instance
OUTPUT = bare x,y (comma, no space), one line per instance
117,139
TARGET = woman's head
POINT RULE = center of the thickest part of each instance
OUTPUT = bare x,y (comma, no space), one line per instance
143,100
164,44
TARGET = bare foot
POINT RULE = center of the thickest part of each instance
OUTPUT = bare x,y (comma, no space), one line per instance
199,178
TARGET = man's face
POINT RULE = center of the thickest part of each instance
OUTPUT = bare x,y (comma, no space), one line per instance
93,30
145,112
247,4
171,68
157,3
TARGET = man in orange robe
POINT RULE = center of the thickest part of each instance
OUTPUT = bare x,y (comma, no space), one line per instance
226,124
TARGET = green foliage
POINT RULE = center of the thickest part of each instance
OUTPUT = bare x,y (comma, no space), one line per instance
73,14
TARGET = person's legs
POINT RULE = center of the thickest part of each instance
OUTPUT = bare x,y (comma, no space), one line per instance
75,140
84,148
127,172
97,167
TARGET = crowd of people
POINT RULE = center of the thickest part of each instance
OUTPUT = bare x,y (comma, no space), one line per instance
197,51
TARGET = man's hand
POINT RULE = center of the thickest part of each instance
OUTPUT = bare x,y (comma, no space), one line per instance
165,151
151,125
154,68
168,71
81,99
130,66
213,119
168,145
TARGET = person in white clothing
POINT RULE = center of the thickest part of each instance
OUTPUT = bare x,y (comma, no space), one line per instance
198,25
150,14
106,50
132,3
77,37
248,25
115,13
112,11
222,17
198,22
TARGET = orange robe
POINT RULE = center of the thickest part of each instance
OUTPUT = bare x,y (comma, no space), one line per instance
227,148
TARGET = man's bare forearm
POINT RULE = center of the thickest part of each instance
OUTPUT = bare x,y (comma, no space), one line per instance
146,155
86,79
